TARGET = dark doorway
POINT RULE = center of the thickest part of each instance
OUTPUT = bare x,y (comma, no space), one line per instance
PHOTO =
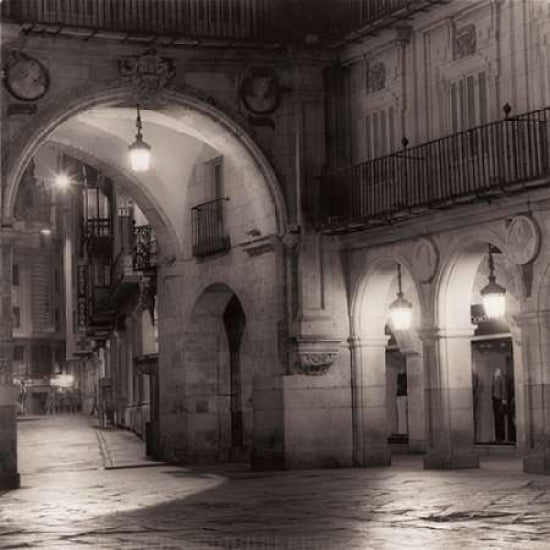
234,321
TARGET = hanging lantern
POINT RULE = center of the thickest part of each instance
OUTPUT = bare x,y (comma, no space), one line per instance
400,308
139,151
494,295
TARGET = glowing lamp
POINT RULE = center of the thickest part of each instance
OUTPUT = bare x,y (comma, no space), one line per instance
493,294
400,308
139,152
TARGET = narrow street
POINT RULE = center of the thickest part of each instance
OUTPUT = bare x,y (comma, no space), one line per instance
69,500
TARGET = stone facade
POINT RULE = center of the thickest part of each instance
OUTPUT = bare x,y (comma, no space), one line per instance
311,361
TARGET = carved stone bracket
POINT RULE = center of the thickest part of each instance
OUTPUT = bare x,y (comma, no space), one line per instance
313,356
148,73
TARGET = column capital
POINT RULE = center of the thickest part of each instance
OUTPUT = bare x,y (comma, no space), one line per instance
530,318
368,342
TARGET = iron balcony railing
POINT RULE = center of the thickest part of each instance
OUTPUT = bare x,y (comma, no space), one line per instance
144,250
239,20
98,228
209,235
233,19
501,157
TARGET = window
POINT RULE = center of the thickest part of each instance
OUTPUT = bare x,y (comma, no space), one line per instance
468,102
15,275
18,354
16,316
380,133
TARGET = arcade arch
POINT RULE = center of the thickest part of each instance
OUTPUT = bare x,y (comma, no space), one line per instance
381,408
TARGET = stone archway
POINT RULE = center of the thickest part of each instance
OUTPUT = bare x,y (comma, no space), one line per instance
370,312
199,117
218,421
450,400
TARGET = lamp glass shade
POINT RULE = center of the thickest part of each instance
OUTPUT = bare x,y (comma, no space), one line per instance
494,300
401,313
140,156
62,181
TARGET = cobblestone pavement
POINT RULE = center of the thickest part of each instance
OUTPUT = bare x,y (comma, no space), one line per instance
68,500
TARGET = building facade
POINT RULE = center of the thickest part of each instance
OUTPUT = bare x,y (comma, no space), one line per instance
294,168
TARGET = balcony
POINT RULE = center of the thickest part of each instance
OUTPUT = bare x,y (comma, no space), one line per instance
209,235
98,235
493,160
191,21
219,19
144,250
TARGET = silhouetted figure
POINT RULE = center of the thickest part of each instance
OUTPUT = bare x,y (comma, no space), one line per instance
499,404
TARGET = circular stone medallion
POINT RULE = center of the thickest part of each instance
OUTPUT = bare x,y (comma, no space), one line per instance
522,240
25,77
424,260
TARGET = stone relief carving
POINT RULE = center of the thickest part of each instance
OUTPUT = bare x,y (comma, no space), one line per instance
376,77
148,72
313,355
522,240
314,363
424,260
464,41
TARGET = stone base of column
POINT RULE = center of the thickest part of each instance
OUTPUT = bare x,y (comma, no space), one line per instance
10,481
376,458
451,462
537,464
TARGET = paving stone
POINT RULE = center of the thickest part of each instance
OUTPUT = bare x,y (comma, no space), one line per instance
69,500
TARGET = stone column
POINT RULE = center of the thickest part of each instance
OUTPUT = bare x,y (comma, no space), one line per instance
9,478
534,392
449,400
415,402
370,442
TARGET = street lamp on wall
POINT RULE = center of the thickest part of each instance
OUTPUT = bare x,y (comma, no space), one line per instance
400,308
493,294
139,152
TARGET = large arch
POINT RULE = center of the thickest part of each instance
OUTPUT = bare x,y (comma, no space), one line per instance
199,118
451,403
369,312
218,419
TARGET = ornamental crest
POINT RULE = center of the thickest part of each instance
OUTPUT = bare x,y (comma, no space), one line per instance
465,41
376,78
149,73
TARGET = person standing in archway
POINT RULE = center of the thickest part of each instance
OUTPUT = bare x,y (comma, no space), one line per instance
499,403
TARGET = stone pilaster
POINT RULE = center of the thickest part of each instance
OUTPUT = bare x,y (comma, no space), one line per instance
534,391
9,478
447,358
370,441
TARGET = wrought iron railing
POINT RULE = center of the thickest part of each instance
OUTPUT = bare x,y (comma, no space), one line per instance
98,228
257,20
144,250
503,156
234,19
209,235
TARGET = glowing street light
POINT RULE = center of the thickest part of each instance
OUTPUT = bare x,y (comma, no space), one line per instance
493,294
400,308
139,152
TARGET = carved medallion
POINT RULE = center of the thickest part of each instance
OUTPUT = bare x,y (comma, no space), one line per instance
376,78
424,260
313,355
522,240
148,72
260,91
312,363
465,41
25,77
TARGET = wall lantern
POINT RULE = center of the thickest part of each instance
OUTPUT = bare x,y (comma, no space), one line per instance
400,309
139,152
62,181
494,295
